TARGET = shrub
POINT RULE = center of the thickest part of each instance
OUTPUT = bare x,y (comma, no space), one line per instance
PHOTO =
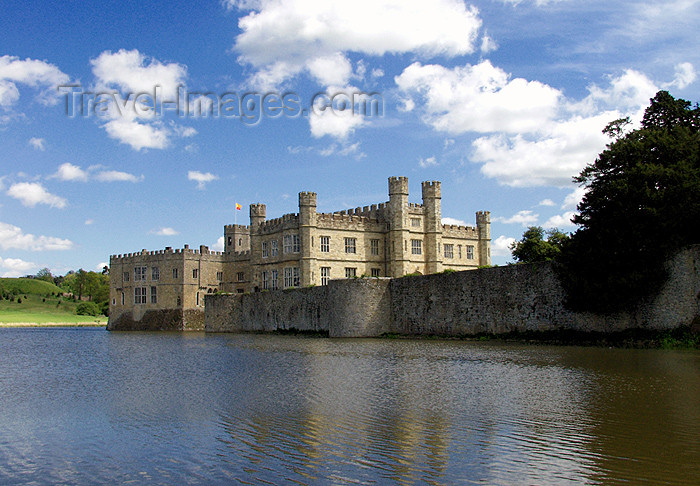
87,309
19,300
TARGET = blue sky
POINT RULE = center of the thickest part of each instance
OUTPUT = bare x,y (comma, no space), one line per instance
501,100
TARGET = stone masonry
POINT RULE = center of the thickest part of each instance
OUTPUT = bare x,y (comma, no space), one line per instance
165,289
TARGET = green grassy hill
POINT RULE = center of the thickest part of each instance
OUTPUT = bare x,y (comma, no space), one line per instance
28,286
32,301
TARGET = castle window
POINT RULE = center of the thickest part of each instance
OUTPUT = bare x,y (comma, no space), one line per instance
350,272
139,295
265,252
240,291
291,277
265,282
376,272
219,276
139,273
240,241
291,243
449,250
155,273
122,298
415,222
114,301
154,295
174,272
350,244
273,248
325,274
470,252
126,276
416,247
195,273
273,280
374,246
240,276
325,244
197,298
230,241
179,301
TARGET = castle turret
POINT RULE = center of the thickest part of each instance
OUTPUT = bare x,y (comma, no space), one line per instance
257,216
432,211
398,226
483,226
236,238
307,223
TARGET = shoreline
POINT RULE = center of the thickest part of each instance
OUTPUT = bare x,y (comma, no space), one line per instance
52,324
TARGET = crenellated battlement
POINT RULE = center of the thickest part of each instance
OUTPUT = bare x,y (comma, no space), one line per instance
287,221
398,186
168,252
455,231
236,227
358,222
431,189
307,199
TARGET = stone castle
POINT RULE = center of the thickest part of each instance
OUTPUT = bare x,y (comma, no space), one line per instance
165,289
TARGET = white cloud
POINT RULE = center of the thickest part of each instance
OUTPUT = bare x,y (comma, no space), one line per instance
524,218
574,198
533,135
100,266
479,98
685,76
117,176
561,221
14,267
37,143
201,178
131,73
29,72
165,231
88,222
427,162
331,70
546,202
487,44
219,245
453,221
138,135
134,72
70,172
326,120
32,193
13,237
302,31
501,246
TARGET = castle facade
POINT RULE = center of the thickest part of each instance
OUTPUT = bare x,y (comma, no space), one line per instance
165,289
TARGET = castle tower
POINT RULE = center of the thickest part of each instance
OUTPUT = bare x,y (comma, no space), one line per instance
398,227
483,226
236,238
432,211
307,224
257,216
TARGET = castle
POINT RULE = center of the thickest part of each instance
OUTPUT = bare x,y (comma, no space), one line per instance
165,289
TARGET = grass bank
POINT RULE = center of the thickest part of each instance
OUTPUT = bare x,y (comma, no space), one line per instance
680,338
38,309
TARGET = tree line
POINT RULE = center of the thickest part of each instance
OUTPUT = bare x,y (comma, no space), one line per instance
642,204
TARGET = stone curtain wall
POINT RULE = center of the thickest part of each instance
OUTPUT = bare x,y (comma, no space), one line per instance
492,300
343,308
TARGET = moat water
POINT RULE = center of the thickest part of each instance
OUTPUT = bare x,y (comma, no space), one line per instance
84,406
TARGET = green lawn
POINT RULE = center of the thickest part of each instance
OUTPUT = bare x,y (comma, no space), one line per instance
40,310
28,286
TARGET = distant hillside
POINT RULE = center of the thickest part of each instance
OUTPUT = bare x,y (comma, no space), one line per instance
28,286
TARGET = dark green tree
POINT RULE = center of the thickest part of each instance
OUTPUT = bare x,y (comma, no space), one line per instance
642,204
533,247
45,275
